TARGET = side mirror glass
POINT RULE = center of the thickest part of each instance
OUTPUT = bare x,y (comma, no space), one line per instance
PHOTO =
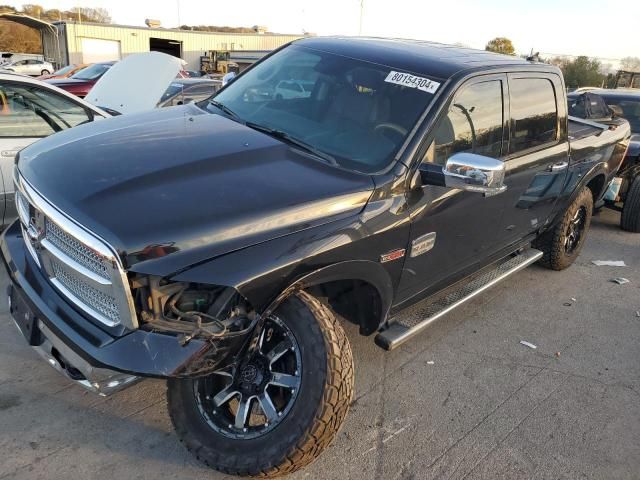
467,171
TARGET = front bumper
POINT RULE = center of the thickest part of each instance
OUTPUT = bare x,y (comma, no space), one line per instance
78,346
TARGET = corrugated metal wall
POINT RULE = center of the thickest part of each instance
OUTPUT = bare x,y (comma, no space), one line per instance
194,44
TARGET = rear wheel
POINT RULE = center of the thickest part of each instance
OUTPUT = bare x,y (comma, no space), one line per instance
45,72
630,218
562,244
277,413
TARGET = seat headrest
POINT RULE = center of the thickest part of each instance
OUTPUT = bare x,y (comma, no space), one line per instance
366,77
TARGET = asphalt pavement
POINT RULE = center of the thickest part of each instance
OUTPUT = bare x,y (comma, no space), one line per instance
463,400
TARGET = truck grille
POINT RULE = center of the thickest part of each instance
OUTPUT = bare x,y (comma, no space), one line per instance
105,304
75,250
80,265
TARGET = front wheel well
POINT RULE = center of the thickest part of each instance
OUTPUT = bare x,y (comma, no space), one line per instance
357,301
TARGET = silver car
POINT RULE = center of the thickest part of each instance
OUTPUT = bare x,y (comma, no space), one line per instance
29,66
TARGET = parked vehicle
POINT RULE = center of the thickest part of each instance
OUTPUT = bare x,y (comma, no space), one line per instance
64,72
293,89
188,90
626,79
31,109
215,244
31,67
8,57
610,106
81,82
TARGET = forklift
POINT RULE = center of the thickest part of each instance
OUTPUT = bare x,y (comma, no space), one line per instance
217,63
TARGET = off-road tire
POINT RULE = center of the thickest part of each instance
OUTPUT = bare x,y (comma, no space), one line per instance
326,391
630,218
552,242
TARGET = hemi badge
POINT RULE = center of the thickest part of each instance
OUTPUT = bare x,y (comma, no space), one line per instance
394,255
423,244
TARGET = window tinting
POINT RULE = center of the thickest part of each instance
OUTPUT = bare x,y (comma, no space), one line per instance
534,115
339,106
28,111
474,123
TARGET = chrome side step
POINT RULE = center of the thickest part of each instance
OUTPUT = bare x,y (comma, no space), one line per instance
416,318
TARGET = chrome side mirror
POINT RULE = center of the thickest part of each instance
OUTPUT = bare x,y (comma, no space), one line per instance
475,173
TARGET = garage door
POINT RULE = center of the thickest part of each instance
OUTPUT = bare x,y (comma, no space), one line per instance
98,50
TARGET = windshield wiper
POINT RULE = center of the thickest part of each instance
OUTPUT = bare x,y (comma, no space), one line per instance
226,110
279,134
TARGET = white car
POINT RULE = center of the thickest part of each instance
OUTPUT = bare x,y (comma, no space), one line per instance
288,89
29,66
31,109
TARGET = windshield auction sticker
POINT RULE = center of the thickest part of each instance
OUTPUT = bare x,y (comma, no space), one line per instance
412,81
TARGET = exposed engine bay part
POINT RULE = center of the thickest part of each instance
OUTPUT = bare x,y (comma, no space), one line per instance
192,310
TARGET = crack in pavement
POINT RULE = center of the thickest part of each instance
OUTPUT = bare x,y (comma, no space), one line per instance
484,418
510,431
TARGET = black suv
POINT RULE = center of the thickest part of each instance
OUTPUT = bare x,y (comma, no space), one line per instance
216,244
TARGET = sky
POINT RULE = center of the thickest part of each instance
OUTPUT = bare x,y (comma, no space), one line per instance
598,28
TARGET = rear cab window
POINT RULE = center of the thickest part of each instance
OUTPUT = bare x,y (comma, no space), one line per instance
534,113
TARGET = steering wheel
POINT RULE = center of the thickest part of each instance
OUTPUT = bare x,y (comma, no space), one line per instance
394,127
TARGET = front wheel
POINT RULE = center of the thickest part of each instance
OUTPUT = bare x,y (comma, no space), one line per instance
285,405
630,218
45,72
561,245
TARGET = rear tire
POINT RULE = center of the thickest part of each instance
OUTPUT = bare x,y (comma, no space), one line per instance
302,430
45,72
562,244
630,218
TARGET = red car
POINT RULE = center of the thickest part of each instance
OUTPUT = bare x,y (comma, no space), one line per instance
81,82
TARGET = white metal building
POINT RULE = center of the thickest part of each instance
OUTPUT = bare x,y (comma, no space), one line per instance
71,42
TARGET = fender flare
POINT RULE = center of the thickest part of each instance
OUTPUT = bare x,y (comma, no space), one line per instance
365,270
598,169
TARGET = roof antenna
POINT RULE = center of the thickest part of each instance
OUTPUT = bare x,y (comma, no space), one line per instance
533,57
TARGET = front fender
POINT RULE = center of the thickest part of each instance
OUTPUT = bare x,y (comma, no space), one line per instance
267,273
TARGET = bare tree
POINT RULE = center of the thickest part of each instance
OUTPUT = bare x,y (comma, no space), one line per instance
630,63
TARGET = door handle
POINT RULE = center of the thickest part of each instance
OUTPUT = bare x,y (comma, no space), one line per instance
557,167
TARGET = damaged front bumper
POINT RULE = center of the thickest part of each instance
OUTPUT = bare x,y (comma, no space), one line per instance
87,354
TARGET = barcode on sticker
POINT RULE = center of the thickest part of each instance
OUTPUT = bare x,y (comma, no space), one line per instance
411,81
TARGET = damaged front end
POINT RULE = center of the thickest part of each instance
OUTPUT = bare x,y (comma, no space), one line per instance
218,317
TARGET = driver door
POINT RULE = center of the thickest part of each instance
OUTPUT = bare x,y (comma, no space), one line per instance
453,229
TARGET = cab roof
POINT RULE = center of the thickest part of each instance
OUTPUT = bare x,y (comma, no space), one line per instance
416,56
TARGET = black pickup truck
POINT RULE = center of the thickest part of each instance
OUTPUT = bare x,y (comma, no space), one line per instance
218,244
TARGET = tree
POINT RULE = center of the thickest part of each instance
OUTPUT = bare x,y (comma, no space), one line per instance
20,38
630,63
581,71
501,45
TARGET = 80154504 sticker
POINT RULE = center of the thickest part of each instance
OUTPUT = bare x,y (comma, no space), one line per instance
412,81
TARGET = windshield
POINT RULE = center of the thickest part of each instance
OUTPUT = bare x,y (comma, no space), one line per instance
92,71
64,70
630,111
173,90
354,111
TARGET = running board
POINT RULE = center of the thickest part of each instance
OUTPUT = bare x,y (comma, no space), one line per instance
415,319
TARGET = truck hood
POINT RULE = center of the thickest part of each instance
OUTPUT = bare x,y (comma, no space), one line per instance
136,83
176,186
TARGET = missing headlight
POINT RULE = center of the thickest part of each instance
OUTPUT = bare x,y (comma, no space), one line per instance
192,310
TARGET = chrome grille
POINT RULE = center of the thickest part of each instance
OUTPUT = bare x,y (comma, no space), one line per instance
22,205
102,303
79,264
76,250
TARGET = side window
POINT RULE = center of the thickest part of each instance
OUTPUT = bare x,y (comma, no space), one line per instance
534,114
28,111
474,123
